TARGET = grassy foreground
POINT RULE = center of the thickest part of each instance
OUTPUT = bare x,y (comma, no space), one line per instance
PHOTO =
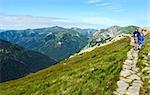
92,73
142,54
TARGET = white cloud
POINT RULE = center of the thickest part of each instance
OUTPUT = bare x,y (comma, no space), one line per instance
106,4
93,1
106,21
13,21
102,4
115,9
119,10
101,20
23,22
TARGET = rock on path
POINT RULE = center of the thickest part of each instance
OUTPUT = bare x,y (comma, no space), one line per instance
130,81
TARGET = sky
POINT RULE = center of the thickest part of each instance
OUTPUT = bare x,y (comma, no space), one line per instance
22,14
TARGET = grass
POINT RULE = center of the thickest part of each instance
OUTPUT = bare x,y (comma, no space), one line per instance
91,73
144,53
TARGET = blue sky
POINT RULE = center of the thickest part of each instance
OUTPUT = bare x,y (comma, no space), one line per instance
18,14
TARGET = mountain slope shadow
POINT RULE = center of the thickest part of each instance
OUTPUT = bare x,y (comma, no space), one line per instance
16,62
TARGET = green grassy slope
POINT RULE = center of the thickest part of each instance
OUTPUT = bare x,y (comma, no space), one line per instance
142,54
92,73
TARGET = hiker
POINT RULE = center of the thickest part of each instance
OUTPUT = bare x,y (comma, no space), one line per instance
141,39
136,35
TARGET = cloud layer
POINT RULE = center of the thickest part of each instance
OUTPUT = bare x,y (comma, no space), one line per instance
105,4
93,1
25,21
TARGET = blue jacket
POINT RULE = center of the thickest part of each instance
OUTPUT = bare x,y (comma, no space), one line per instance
141,40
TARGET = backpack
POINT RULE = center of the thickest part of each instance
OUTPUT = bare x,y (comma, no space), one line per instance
136,34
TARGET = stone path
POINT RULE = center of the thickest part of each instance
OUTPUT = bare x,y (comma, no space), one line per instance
130,81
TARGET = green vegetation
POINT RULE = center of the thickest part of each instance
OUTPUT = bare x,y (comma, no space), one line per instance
143,56
91,73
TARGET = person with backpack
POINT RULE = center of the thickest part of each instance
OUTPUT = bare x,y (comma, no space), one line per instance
136,36
141,39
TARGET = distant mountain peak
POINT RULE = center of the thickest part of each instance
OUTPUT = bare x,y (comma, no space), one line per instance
56,27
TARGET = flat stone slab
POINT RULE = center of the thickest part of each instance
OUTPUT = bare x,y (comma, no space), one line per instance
129,55
122,87
116,93
135,69
135,61
135,56
125,73
134,77
128,62
126,67
138,82
133,90
139,74
126,80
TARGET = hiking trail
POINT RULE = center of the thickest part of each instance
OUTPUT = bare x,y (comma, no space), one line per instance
129,81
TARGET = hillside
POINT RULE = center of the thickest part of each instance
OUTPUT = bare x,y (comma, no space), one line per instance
16,62
56,42
91,73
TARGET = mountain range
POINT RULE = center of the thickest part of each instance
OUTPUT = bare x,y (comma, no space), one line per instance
56,42
59,43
